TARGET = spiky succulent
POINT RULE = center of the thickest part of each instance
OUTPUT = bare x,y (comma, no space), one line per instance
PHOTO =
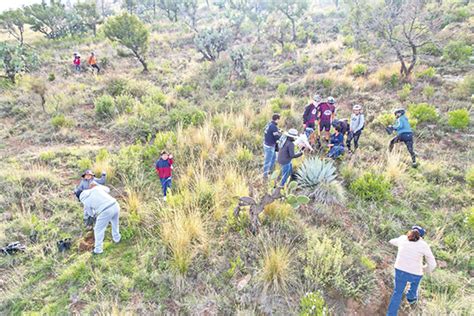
317,178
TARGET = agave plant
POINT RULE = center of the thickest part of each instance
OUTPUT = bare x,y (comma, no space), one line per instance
317,178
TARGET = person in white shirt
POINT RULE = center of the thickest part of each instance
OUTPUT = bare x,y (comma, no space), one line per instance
99,203
409,266
356,126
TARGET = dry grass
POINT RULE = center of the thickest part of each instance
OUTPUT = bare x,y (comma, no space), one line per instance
279,212
133,201
395,166
276,268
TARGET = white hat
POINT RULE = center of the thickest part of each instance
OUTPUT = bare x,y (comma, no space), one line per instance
357,107
292,133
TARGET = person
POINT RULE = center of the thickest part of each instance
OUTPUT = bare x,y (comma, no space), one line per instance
271,135
93,62
356,126
163,167
409,266
100,204
286,154
87,177
326,115
310,115
77,62
336,144
404,134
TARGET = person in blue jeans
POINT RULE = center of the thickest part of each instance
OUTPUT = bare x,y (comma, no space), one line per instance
164,169
336,144
409,267
404,134
286,154
271,135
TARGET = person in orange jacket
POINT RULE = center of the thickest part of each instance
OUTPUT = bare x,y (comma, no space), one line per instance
93,62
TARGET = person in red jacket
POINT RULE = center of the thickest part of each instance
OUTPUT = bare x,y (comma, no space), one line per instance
164,167
77,62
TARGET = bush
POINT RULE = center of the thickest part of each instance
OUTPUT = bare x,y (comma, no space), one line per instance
282,89
244,155
84,164
470,176
261,81
431,49
405,91
185,91
428,91
428,73
60,120
423,112
359,70
313,304
465,88
218,82
371,187
211,42
105,106
457,52
187,116
385,119
124,103
459,119
117,86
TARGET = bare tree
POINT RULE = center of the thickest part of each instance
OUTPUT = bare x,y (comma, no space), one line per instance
405,25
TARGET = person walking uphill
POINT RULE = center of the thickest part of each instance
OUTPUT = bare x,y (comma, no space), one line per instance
271,135
409,266
163,167
286,154
404,134
98,203
356,126
92,61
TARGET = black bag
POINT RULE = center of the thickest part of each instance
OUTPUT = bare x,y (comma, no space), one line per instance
89,221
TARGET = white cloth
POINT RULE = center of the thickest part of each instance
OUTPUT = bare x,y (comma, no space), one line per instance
410,255
302,141
96,199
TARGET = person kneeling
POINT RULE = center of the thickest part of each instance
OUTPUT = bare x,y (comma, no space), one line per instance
99,203
336,144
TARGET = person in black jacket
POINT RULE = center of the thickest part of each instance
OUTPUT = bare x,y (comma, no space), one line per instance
286,154
271,136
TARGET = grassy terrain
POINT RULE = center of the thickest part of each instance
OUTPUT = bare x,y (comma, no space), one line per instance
191,255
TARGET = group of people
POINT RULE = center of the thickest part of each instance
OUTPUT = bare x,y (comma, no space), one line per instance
318,119
91,61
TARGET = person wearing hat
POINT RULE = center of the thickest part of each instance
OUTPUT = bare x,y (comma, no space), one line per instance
356,126
92,61
336,143
100,204
404,134
310,115
286,154
87,177
164,167
326,115
409,266
271,135
77,62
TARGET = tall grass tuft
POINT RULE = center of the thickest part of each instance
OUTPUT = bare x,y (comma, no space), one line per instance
276,268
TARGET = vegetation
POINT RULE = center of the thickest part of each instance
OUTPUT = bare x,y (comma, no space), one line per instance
225,241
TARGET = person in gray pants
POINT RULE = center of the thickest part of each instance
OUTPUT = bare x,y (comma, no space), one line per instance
98,203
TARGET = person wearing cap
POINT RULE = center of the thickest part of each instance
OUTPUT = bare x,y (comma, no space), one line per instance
77,62
271,135
409,266
326,113
404,134
286,154
336,144
164,167
100,204
92,61
356,126
87,177
310,115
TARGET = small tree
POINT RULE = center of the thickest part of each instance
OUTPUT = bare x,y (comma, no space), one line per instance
16,59
51,20
88,14
13,21
211,42
277,30
129,31
293,10
188,9
170,8
38,86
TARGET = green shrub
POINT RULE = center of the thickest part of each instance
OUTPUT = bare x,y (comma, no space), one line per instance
261,81
405,91
431,49
371,187
244,155
60,120
117,86
423,112
218,82
51,77
185,91
428,73
189,115
359,70
326,83
465,88
428,91
84,163
469,220
124,103
457,52
459,119
154,98
282,89
385,119
470,176
313,304
105,106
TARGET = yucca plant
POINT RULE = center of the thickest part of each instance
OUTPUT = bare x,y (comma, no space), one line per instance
317,179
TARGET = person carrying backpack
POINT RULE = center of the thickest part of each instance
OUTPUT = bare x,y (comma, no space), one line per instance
310,115
326,115
271,135
286,154
164,167
92,61
356,126
404,134
409,266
